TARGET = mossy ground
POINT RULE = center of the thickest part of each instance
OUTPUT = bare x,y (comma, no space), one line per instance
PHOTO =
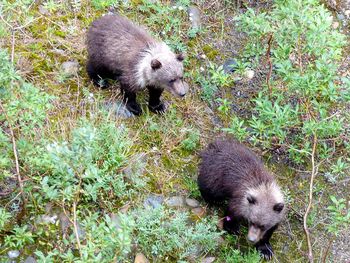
59,35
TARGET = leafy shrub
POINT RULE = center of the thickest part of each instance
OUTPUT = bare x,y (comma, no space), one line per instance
90,164
304,96
168,234
340,215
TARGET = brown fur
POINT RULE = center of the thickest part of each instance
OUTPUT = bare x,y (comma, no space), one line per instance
230,171
119,49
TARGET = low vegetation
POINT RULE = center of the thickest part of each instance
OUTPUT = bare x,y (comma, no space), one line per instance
75,176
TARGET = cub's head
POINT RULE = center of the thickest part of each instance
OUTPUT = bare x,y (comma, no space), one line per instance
164,69
264,209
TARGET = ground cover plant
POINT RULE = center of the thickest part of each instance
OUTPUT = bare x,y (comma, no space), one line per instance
82,181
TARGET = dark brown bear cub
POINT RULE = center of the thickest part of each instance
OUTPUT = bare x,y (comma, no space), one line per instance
230,171
118,49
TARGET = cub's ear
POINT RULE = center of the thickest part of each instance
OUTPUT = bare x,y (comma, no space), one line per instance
251,199
155,64
278,207
180,57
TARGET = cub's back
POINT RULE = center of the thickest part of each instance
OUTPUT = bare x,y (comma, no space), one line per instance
115,39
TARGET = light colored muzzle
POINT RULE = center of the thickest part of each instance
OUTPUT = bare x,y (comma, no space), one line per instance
254,234
180,88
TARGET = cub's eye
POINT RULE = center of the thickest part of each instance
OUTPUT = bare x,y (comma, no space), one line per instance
172,81
262,227
181,78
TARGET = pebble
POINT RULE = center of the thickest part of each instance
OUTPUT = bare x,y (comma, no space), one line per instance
140,258
60,52
335,25
208,260
13,254
119,110
195,16
347,13
47,219
70,68
249,74
230,65
175,201
30,260
198,211
192,202
43,10
153,201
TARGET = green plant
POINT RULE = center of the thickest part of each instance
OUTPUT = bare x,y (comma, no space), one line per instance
167,234
4,218
304,91
216,79
225,105
339,215
20,237
102,4
192,140
231,255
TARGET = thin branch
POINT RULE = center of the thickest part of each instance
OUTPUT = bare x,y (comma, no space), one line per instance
76,227
268,57
14,148
74,223
313,174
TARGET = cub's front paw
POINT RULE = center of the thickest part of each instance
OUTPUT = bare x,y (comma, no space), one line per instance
159,108
134,108
265,251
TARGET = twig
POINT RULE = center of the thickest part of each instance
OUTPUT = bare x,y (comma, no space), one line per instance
13,46
268,57
313,174
74,223
76,227
327,250
14,148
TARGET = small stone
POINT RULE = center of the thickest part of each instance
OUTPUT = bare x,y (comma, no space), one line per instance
47,219
175,201
335,25
119,110
249,74
153,201
13,254
43,10
208,260
230,65
70,68
195,16
341,17
60,52
220,224
30,260
347,13
192,202
140,258
64,222
198,211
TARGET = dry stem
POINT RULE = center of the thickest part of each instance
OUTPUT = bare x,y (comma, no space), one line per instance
313,174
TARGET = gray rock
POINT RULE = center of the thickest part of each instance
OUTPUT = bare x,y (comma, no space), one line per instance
230,65
140,258
192,202
195,17
208,260
340,17
30,260
176,201
64,222
70,68
153,201
198,211
13,254
43,10
119,109
48,219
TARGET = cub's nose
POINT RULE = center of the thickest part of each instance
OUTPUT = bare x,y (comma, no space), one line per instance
182,94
